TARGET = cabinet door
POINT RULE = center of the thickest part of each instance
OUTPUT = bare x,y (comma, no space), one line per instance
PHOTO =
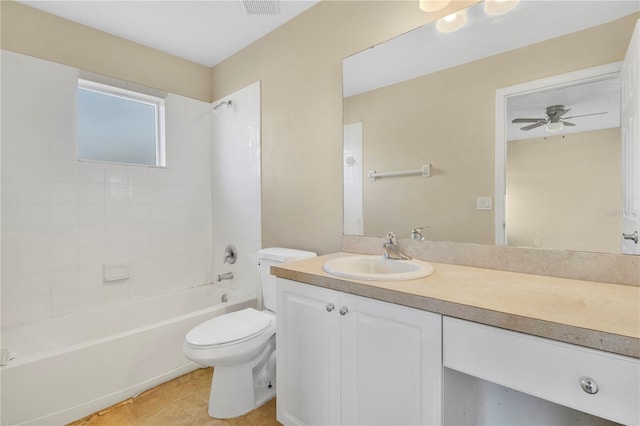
391,364
308,354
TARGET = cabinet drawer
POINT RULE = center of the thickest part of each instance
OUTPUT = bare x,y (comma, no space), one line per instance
545,368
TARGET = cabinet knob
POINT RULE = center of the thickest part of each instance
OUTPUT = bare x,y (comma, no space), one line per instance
330,307
589,385
343,310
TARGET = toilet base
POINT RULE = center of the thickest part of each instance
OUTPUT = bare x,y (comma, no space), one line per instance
238,389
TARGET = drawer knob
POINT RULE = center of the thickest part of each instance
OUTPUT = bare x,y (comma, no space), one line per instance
344,310
589,385
330,307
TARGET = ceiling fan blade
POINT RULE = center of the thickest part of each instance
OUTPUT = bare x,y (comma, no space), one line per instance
563,112
533,126
528,120
566,123
584,115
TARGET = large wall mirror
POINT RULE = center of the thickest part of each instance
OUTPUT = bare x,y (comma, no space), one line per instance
420,120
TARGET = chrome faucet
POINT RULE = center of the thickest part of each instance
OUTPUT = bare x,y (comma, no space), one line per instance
392,249
416,233
227,276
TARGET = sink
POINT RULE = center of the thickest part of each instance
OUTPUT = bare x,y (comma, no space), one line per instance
377,268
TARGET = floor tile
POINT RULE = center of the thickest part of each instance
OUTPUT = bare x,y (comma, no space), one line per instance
181,401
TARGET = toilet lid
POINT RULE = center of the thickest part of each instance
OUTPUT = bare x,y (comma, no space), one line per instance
229,327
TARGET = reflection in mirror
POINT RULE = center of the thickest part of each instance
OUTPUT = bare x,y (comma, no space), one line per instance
430,98
563,168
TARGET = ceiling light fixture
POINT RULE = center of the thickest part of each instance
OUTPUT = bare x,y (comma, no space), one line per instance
554,126
498,7
453,22
433,5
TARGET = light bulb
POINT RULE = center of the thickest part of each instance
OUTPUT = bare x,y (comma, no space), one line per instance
497,7
453,22
433,5
554,126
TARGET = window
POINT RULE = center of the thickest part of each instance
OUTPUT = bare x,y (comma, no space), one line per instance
119,126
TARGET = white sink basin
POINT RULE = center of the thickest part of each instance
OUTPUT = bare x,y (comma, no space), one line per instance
377,268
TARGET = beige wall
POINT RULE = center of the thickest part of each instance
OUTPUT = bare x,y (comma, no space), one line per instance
447,119
35,33
564,192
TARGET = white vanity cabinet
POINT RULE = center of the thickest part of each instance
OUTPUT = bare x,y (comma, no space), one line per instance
592,381
345,359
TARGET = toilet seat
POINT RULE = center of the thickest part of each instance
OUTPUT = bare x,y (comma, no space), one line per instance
231,328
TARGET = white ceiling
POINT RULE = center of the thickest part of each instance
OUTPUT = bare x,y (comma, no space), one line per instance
581,99
204,31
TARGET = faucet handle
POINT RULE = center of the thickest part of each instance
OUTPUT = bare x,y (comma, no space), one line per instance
392,238
416,233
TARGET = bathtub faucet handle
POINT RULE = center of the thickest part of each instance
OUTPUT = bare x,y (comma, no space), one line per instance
230,254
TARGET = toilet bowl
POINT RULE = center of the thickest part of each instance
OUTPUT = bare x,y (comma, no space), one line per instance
241,346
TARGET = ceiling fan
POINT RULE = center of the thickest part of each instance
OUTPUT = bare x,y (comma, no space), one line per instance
553,118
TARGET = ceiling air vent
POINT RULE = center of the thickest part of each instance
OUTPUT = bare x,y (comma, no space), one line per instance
261,7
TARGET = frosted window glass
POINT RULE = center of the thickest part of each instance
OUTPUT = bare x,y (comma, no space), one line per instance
116,129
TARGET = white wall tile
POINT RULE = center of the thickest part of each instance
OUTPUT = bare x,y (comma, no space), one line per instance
10,166
32,215
116,214
116,193
138,175
91,214
9,191
63,170
64,214
63,219
32,285
64,258
90,172
33,191
116,173
64,192
34,238
64,236
64,281
33,168
34,261
91,192
91,255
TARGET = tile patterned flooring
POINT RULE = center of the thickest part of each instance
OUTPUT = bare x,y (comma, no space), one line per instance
181,401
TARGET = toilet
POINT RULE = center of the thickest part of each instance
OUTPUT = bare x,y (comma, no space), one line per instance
241,346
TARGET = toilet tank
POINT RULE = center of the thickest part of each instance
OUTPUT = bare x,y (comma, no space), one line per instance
275,256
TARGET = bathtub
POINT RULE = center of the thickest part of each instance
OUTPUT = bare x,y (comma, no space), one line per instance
70,366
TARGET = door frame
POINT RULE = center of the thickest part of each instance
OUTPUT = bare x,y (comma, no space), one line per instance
587,75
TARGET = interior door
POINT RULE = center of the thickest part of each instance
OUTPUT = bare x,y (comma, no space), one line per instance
630,133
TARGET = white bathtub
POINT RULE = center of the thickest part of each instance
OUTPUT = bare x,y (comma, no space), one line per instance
73,365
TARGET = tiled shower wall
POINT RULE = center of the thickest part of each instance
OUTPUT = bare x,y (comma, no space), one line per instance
64,219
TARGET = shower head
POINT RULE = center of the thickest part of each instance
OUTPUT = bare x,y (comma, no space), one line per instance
223,103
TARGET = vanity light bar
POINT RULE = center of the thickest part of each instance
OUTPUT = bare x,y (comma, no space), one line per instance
425,171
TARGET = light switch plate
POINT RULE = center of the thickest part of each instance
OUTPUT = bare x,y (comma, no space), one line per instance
483,203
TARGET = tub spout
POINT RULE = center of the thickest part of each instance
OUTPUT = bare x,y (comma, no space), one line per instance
227,276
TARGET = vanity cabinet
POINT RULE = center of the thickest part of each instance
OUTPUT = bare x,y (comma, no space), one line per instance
346,359
592,381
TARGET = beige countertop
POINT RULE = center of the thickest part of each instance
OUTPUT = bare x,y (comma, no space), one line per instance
591,314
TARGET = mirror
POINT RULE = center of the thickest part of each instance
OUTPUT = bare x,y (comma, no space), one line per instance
429,98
